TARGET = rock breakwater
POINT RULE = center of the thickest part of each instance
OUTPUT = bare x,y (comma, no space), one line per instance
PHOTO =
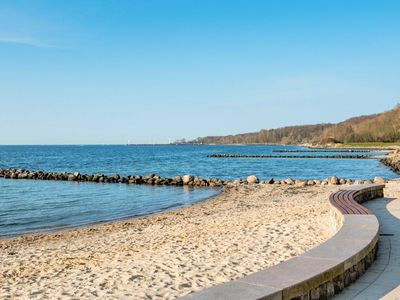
186,180
224,155
151,179
323,150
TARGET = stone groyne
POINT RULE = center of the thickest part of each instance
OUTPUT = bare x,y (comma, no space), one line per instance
224,155
324,150
186,180
151,179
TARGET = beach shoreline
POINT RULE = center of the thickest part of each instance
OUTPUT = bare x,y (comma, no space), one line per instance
106,222
240,231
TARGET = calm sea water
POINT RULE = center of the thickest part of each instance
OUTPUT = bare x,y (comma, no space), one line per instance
31,206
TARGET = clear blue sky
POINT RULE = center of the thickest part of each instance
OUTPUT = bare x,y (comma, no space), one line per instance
107,71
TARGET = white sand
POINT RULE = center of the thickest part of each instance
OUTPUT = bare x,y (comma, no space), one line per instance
169,255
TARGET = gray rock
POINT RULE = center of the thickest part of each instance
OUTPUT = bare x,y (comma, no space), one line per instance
334,180
187,178
237,182
177,179
252,179
379,180
289,181
300,183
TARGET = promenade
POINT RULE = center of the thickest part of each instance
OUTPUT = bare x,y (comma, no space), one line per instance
382,280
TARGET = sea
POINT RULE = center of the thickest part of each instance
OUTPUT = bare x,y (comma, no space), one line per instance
35,206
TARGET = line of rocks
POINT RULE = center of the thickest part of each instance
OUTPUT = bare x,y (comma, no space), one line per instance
151,179
334,180
322,150
353,148
393,161
186,180
224,155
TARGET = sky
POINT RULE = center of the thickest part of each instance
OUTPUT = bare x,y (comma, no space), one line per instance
105,72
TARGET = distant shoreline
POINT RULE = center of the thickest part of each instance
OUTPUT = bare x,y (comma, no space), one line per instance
368,145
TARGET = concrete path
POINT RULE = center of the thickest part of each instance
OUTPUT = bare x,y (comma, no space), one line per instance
382,279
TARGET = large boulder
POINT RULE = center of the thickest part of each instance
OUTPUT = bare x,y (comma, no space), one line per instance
289,181
334,180
300,183
71,177
237,181
379,180
252,179
177,179
187,178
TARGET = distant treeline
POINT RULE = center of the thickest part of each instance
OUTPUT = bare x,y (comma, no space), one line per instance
383,127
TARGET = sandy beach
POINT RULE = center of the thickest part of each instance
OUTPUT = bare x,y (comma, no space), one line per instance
241,231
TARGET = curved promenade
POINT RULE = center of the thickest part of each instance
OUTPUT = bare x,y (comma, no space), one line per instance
323,271
382,280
